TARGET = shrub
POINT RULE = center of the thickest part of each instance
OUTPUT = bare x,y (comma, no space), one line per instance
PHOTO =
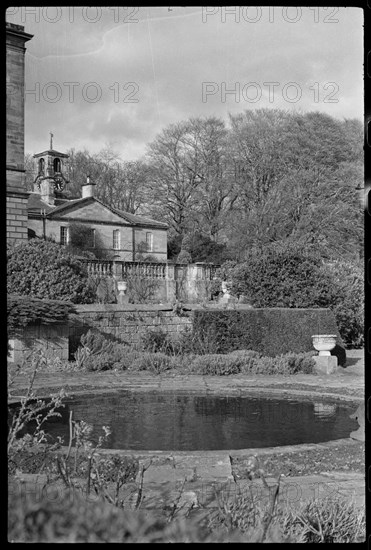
282,276
111,466
191,341
248,359
141,290
269,331
184,257
203,249
219,365
25,310
46,270
348,305
155,340
71,518
182,363
328,520
288,276
288,364
81,242
97,352
152,362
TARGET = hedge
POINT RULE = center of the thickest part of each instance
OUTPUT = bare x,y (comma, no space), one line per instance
269,331
44,269
25,310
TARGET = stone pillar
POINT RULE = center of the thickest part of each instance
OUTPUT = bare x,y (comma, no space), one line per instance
121,285
325,364
16,195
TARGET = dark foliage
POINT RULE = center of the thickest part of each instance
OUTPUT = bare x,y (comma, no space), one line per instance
25,310
269,331
46,270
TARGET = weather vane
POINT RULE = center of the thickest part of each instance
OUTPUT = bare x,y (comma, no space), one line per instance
51,140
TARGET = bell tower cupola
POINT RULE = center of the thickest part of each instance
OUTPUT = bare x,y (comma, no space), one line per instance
51,169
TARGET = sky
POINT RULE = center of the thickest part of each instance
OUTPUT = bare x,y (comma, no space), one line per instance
98,77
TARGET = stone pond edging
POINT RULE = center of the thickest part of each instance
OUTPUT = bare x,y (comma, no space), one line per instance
214,467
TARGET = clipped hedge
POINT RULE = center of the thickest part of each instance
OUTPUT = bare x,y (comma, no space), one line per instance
26,310
269,331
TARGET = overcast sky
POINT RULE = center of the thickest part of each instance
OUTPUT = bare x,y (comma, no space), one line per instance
118,76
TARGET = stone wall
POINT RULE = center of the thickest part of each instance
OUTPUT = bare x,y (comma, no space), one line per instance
52,339
16,217
16,211
104,231
128,323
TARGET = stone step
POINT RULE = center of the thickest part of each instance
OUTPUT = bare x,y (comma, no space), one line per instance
177,467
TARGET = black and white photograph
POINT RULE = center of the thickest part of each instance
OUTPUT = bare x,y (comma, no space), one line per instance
185,256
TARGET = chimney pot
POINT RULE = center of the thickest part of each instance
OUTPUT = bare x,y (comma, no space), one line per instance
87,189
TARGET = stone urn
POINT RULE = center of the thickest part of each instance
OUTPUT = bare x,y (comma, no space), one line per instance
121,287
324,343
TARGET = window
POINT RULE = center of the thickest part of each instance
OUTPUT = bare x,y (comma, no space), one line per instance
41,166
149,242
64,235
91,238
57,165
116,239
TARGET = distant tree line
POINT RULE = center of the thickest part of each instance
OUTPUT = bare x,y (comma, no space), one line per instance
267,176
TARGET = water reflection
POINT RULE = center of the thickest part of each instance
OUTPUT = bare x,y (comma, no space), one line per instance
324,410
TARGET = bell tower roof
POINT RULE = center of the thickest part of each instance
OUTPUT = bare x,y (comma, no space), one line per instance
51,152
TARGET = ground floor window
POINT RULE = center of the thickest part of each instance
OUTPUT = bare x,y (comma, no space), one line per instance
64,236
149,242
116,239
92,238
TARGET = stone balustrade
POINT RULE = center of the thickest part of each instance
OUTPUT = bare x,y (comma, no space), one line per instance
187,282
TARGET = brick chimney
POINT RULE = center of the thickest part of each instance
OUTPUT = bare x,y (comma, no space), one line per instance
87,189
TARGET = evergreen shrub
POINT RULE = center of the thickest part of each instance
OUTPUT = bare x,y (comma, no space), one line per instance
152,362
283,276
269,331
99,352
46,270
216,365
26,310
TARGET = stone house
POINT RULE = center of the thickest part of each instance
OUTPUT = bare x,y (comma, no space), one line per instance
120,233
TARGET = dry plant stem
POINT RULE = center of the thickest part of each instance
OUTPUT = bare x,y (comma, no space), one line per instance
71,436
175,504
140,489
103,489
89,472
64,474
273,501
118,486
21,415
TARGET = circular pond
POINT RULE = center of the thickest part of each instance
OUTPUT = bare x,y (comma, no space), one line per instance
180,421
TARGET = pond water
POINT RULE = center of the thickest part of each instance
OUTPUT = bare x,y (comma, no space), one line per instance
180,421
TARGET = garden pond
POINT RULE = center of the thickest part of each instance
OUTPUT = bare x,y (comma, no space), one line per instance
177,421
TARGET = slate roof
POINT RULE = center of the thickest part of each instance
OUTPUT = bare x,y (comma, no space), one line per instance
35,205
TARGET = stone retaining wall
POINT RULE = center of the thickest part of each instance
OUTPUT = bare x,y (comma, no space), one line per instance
52,339
127,322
